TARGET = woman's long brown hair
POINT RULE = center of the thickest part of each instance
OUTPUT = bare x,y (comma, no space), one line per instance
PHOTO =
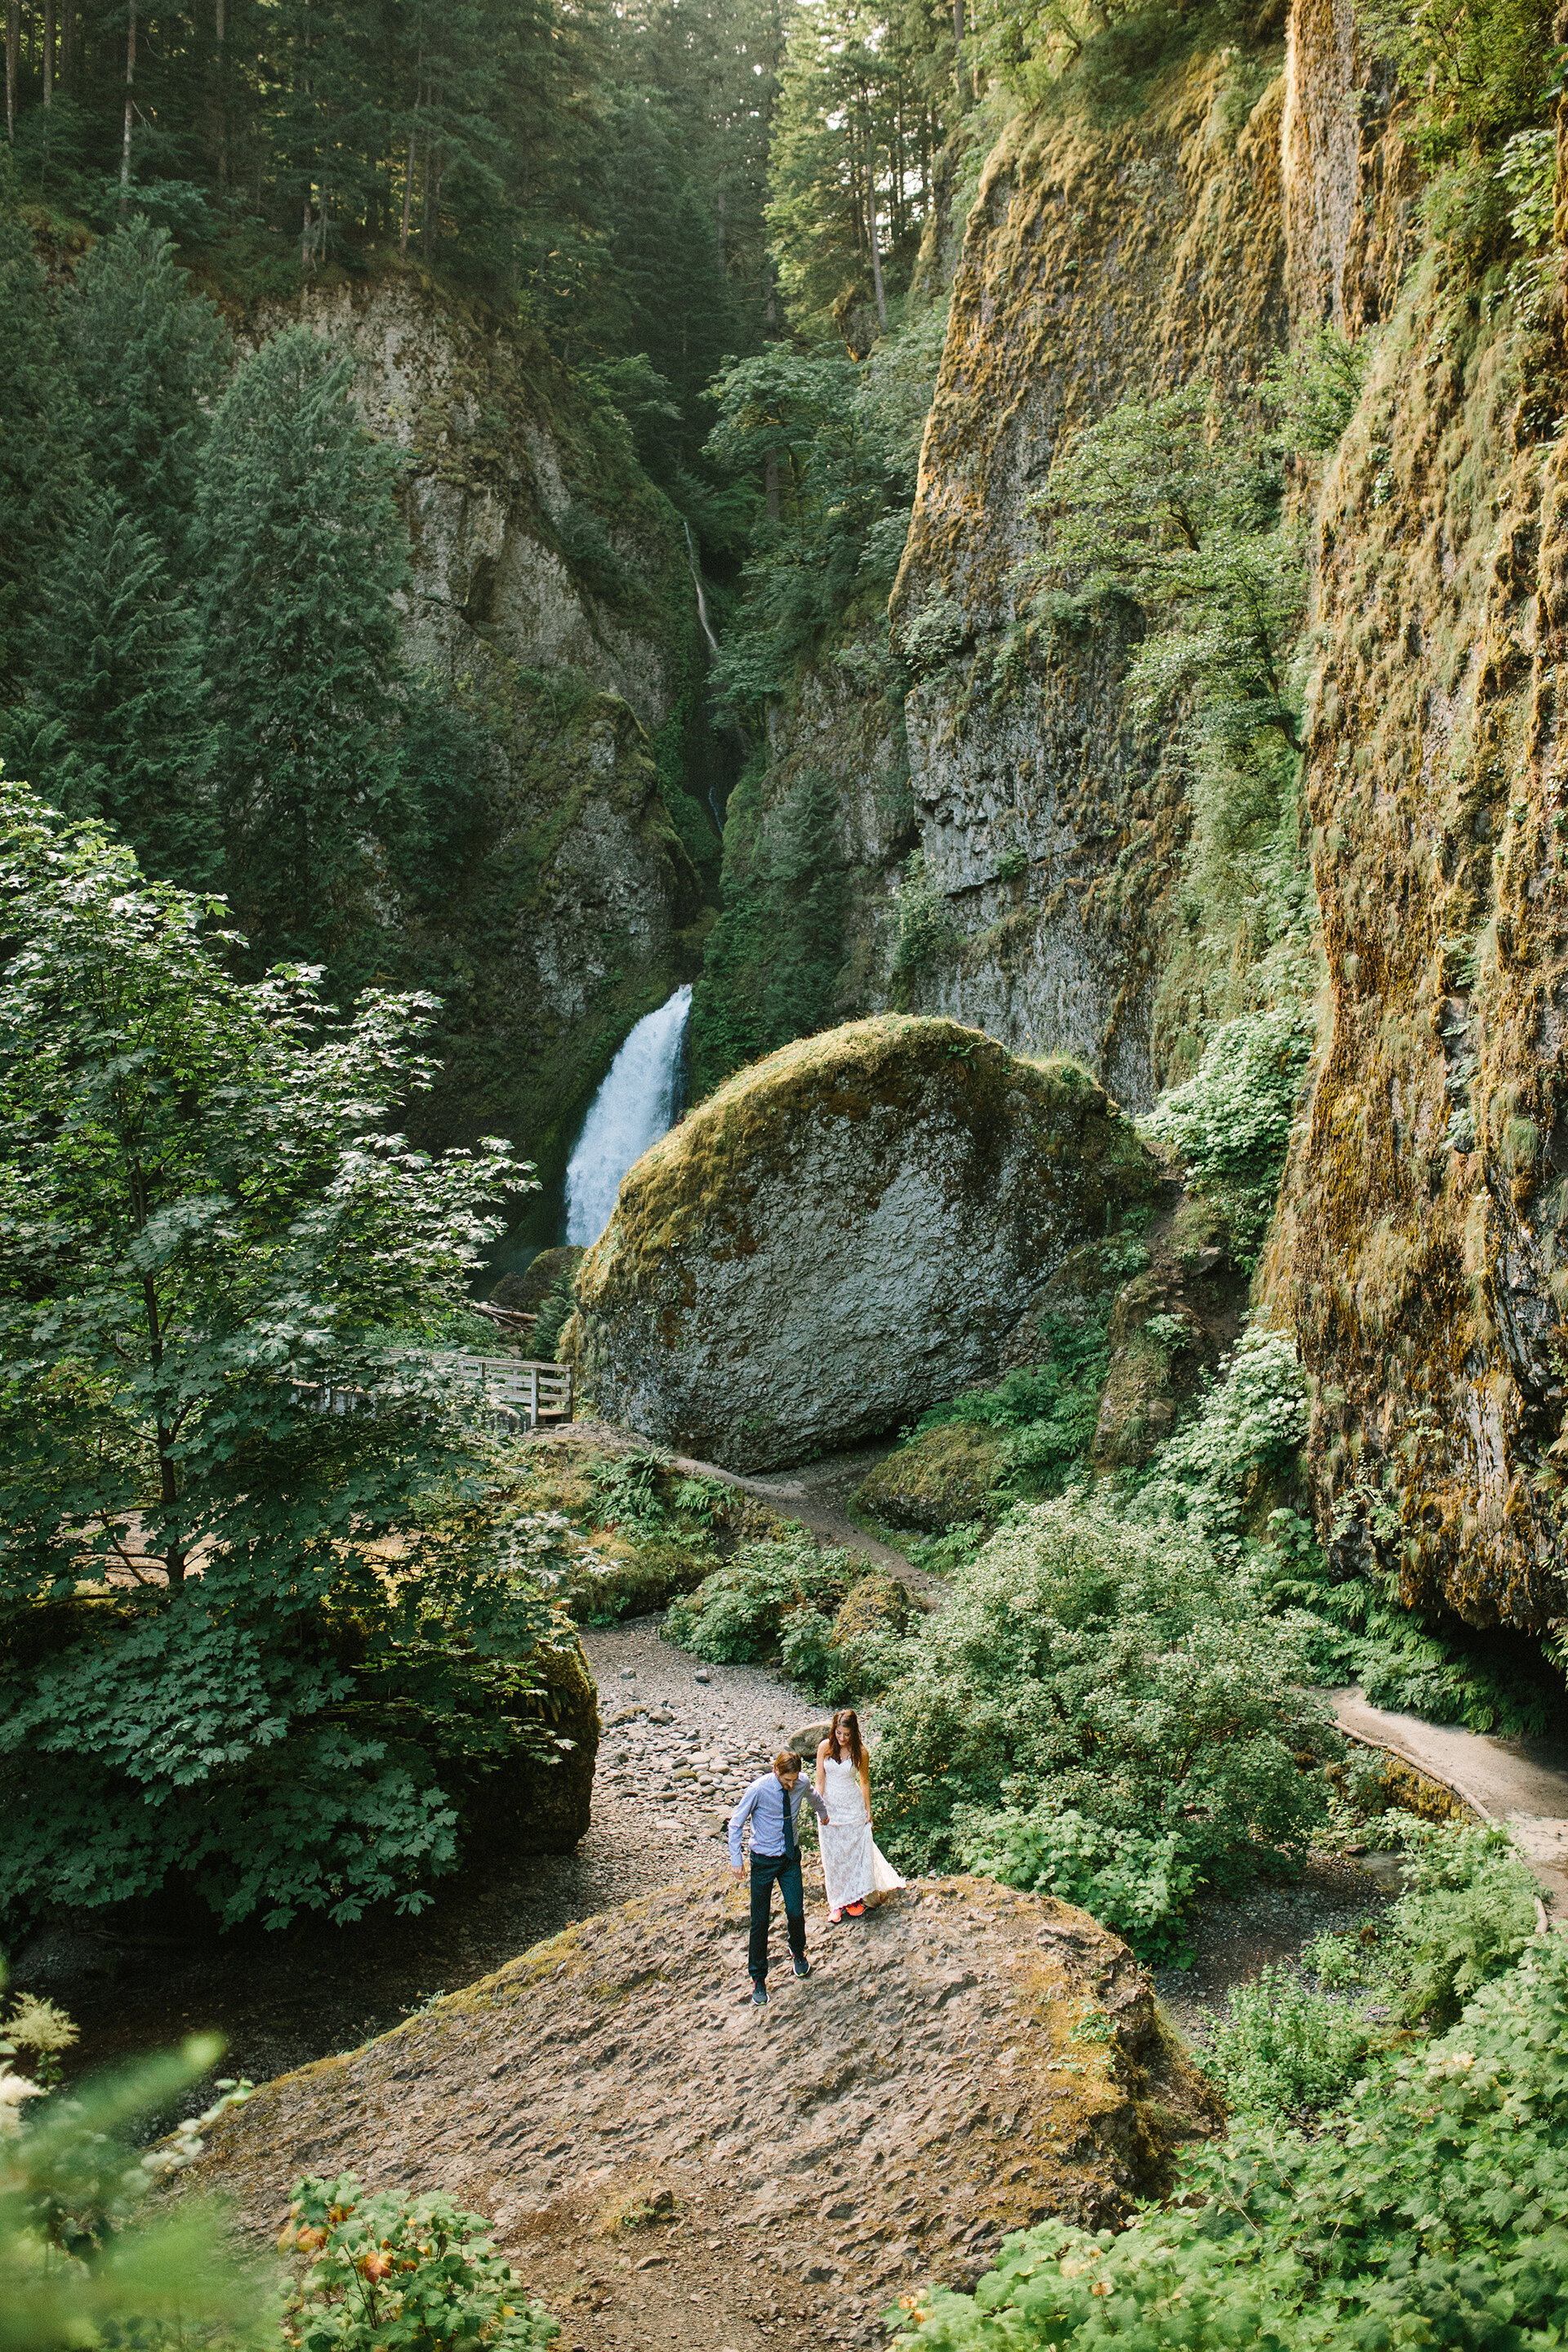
851,1722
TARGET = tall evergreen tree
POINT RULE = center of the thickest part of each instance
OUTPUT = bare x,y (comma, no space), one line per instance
301,551
112,725
150,352
39,438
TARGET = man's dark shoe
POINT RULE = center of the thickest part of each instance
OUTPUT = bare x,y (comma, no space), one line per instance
759,1994
802,1965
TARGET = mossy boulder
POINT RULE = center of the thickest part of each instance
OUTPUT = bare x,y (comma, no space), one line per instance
938,1480
525,1293
842,1236
1173,1324
878,1604
530,1807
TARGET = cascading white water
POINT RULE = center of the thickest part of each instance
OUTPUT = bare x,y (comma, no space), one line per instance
633,1109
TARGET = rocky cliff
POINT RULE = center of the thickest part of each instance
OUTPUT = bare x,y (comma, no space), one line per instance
1181,224
549,602
1420,1256
1008,840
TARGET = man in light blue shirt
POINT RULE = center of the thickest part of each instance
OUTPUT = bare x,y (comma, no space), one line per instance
772,1806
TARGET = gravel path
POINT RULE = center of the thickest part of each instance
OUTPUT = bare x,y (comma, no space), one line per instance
817,1494
1523,1782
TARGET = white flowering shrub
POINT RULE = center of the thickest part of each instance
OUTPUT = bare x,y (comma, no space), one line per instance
1231,1120
1251,1421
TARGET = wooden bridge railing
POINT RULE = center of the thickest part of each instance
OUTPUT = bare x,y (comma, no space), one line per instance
513,1388
542,1391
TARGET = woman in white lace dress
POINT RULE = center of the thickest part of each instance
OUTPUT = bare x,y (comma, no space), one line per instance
851,1865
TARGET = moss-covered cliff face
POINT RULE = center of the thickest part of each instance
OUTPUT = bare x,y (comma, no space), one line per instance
536,536
1422,1255
1104,254
551,606
1006,841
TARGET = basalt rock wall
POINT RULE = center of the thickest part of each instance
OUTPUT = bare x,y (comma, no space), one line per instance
550,601
1422,1255
1102,256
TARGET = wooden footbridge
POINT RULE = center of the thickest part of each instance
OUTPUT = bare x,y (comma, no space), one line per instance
514,1389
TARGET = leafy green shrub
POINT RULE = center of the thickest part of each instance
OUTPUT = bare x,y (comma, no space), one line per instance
1086,1664
209,1228
1354,1631
1430,2217
1231,1120
1468,1913
923,928
1250,1425
737,1614
1049,1410
1138,1884
395,2273
84,2260
1283,2048
1317,386
1174,506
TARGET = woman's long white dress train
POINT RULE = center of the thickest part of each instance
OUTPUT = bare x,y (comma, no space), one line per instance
851,1865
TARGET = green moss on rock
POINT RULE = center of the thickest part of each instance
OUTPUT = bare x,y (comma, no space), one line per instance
843,1234
943,1479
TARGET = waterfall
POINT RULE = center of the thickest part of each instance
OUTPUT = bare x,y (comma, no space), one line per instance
696,583
633,1109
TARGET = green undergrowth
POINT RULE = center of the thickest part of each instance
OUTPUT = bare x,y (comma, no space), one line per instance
1230,1122
1406,1658
1045,1411
1102,1710
1376,2188
630,1531
833,1622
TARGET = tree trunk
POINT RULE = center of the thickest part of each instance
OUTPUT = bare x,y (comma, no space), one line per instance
49,52
13,62
431,224
771,484
125,131
67,43
871,229
220,28
168,1476
408,176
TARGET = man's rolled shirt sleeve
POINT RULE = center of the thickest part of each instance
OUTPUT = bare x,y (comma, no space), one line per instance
738,1819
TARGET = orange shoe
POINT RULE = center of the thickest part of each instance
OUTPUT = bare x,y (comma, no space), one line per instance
855,1910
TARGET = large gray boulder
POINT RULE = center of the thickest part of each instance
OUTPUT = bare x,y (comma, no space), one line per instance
842,1236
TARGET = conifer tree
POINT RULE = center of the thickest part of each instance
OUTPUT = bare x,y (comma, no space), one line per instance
111,726
39,442
300,550
149,351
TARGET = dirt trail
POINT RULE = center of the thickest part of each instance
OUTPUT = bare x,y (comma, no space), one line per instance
1523,1782
817,1494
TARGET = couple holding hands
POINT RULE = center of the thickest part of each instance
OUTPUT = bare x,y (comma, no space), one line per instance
851,1866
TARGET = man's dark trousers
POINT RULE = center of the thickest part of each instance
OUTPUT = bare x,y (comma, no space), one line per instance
785,1868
